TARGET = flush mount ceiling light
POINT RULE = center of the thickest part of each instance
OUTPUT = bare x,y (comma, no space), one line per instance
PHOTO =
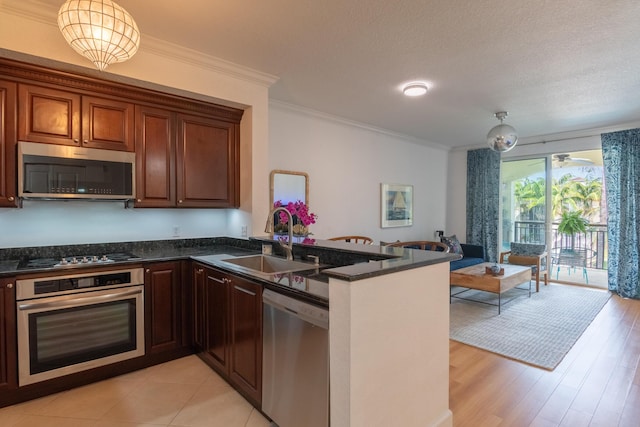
100,30
502,137
415,89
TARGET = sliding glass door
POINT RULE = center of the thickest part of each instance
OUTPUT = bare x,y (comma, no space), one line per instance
558,200
524,201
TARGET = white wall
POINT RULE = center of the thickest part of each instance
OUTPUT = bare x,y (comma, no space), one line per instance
347,163
30,31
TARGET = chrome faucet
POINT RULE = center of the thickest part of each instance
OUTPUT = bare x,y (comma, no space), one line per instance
288,248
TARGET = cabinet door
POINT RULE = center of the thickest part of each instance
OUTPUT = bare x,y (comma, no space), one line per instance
207,163
199,306
48,115
155,158
246,337
8,345
107,124
8,178
163,290
217,315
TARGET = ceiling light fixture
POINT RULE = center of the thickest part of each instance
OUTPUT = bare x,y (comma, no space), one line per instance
100,30
415,89
502,137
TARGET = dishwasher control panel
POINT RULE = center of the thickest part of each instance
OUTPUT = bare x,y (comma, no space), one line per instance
316,315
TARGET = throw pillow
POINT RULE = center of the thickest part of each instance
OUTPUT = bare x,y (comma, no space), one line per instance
453,243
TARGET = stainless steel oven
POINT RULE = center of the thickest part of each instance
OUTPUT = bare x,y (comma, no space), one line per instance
74,322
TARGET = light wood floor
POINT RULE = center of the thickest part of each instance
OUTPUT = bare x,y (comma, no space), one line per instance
597,383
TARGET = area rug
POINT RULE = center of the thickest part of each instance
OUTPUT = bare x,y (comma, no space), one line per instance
539,330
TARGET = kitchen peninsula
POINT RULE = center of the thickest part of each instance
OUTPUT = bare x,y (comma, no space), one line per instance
389,311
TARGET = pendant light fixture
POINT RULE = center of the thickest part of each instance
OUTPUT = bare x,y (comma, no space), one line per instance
502,137
100,30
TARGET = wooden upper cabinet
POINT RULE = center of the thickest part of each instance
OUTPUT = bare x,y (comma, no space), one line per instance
207,162
48,115
8,178
155,158
59,117
107,124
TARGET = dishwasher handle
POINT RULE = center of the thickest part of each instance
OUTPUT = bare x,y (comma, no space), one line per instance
317,316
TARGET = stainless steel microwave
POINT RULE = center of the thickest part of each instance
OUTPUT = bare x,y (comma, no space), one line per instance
48,171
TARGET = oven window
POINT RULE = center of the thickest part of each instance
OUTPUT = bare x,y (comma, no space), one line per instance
68,336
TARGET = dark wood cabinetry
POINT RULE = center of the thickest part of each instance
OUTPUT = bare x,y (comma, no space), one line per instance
55,116
8,344
185,161
228,328
165,301
107,124
8,173
155,158
207,162
187,150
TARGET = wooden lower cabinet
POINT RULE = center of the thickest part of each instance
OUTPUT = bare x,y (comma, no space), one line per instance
166,302
228,328
8,344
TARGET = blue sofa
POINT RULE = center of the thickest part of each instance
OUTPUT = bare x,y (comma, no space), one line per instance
473,254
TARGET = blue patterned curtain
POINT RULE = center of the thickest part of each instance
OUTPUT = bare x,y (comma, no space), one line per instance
483,200
621,155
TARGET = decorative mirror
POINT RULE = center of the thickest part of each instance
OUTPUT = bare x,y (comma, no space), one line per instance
289,186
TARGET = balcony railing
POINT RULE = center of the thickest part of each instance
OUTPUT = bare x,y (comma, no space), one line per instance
594,241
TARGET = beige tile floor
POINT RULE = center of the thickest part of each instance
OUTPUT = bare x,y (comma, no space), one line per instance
183,392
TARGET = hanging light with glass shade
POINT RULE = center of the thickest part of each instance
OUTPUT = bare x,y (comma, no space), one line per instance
100,30
502,137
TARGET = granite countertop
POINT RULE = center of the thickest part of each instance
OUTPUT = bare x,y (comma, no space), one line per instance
340,260
375,260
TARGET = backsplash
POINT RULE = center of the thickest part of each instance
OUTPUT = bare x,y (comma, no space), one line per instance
47,223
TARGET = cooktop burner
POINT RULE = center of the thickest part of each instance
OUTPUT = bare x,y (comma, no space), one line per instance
76,261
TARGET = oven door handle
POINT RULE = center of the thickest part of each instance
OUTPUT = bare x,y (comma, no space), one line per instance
77,301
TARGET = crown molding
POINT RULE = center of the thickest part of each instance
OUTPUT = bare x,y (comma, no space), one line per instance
341,120
46,14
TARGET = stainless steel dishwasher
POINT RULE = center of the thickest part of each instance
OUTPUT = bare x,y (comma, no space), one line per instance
295,364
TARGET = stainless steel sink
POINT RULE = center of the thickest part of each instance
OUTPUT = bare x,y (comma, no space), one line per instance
268,264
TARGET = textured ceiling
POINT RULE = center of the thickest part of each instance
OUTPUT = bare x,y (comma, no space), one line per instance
555,66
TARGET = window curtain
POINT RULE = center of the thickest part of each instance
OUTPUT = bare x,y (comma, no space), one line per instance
621,157
483,200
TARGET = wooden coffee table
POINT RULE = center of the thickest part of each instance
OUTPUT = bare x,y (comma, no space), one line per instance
475,277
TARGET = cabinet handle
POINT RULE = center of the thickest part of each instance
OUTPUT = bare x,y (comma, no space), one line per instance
222,281
138,200
199,270
179,201
148,271
11,198
76,140
246,291
9,285
86,141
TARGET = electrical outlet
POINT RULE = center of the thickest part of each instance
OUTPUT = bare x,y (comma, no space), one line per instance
244,231
176,231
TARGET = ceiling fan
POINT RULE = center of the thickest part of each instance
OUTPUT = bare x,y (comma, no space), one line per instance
562,159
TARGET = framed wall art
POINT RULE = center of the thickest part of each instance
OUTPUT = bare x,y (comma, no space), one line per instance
396,205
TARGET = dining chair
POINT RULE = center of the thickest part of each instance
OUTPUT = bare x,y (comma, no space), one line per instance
354,239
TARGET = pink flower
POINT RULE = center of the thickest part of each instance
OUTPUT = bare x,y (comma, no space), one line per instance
298,209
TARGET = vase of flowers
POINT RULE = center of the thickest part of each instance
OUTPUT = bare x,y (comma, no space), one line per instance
302,218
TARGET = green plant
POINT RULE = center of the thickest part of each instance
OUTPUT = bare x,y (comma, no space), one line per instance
572,223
